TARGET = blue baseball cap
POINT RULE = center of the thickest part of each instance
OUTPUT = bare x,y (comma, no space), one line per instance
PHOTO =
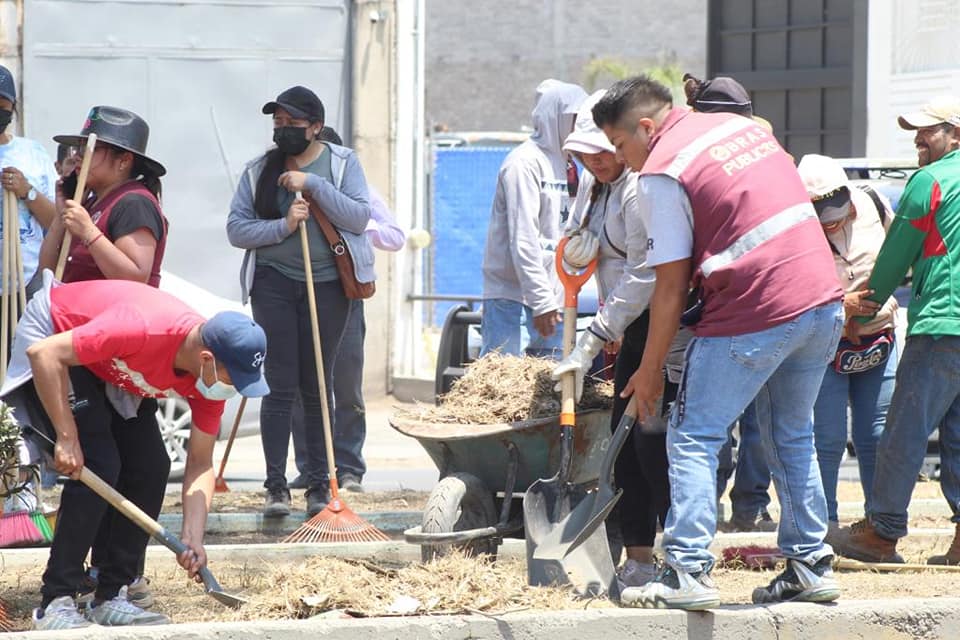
8,88
240,344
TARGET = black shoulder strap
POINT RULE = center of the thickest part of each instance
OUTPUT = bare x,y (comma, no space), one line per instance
881,209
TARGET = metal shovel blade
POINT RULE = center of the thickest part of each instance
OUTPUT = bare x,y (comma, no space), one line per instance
213,589
565,531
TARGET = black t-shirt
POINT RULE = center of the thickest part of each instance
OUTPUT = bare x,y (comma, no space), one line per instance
132,212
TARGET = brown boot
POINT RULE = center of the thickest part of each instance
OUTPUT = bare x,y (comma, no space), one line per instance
952,556
860,541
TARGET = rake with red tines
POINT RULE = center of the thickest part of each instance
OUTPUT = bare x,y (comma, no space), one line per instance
5,625
336,523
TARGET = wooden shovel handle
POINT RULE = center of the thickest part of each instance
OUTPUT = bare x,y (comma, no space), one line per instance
78,197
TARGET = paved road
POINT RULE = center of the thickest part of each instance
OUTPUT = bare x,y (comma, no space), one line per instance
393,460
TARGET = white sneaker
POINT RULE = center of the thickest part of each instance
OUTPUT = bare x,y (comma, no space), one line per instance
61,613
636,574
121,612
138,592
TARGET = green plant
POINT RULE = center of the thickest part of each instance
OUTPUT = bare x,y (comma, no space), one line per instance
605,70
13,476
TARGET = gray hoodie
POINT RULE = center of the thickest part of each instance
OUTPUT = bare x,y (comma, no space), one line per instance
346,202
530,202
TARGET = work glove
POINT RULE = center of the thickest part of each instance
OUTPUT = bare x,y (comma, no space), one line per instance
579,360
581,248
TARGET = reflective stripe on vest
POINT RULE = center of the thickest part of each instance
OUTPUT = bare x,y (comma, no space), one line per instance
763,232
698,146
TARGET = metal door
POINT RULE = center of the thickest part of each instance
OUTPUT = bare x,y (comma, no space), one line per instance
804,62
198,71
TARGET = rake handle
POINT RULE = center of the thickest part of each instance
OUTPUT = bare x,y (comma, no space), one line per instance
78,197
318,358
233,434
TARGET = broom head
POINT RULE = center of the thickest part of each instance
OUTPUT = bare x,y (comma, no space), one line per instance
336,523
220,485
18,530
43,525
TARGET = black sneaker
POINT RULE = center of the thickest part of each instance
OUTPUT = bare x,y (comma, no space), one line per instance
277,503
300,482
317,500
674,589
801,582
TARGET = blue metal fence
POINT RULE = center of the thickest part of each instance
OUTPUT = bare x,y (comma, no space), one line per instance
464,182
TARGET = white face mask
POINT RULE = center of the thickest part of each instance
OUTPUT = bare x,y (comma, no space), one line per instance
218,390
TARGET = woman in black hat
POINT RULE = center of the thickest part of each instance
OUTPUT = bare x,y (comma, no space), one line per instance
118,230
264,217
27,171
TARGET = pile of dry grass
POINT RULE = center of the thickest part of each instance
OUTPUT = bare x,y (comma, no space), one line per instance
449,585
498,388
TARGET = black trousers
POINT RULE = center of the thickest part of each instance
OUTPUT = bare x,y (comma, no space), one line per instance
641,467
128,455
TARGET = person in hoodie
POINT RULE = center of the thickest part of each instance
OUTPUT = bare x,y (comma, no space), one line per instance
605,223
520,286
264,217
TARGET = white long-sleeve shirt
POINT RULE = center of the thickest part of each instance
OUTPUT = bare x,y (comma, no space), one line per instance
382,229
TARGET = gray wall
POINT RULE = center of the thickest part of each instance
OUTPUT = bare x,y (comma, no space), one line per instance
484,58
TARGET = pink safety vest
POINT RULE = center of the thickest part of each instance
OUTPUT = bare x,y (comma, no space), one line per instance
759,253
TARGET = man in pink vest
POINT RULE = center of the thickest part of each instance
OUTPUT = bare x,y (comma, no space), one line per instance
726,209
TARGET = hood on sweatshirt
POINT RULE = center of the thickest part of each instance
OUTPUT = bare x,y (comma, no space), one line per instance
553,116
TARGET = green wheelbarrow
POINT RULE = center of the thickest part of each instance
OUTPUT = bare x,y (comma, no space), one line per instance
485,470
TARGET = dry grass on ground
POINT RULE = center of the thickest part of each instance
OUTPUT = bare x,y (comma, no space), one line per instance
452,585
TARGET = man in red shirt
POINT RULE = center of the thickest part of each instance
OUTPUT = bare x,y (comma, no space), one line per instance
95,354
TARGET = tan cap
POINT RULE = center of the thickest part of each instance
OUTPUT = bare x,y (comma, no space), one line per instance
945,109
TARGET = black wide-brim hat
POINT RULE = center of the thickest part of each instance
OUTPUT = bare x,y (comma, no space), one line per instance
119,127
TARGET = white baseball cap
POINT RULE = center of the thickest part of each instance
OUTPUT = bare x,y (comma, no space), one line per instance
586,136
827,186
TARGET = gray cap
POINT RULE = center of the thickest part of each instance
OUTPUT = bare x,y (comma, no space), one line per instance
8,87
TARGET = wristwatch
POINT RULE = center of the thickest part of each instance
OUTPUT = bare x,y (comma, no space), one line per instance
31,195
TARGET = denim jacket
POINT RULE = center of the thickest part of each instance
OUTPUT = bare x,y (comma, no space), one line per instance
346,202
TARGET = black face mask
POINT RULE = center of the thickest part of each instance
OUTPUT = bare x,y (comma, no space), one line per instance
5,117
292,141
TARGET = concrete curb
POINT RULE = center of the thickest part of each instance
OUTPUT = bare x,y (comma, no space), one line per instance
390,522
862,620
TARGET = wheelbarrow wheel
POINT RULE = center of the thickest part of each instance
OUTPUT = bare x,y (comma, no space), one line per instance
459,502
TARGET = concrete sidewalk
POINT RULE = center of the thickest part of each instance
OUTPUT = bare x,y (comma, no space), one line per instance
394,461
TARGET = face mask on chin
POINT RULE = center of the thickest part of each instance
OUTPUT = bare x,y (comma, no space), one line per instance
216,391
5,117
292,141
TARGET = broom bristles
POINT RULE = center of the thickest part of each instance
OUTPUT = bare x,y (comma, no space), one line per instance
42,524
5,624
336,523
17,529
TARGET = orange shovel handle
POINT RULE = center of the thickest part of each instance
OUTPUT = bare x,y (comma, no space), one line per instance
572,282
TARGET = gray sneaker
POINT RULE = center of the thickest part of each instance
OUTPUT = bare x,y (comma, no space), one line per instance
635,574
61,613
277,503
351,483
138,592
801,582
121,612
674,589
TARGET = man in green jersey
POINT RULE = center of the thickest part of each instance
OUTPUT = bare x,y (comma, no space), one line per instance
924,236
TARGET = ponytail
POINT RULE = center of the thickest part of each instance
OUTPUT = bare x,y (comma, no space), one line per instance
148,178
265,199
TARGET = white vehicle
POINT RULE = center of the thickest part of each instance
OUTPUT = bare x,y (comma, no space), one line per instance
173,414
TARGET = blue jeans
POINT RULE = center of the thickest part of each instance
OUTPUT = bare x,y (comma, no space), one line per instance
781,368
927,396
507,326
751,475
867,394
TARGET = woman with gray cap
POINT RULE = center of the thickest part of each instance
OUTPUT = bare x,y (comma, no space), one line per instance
27,171
861,376
264,218
605,223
